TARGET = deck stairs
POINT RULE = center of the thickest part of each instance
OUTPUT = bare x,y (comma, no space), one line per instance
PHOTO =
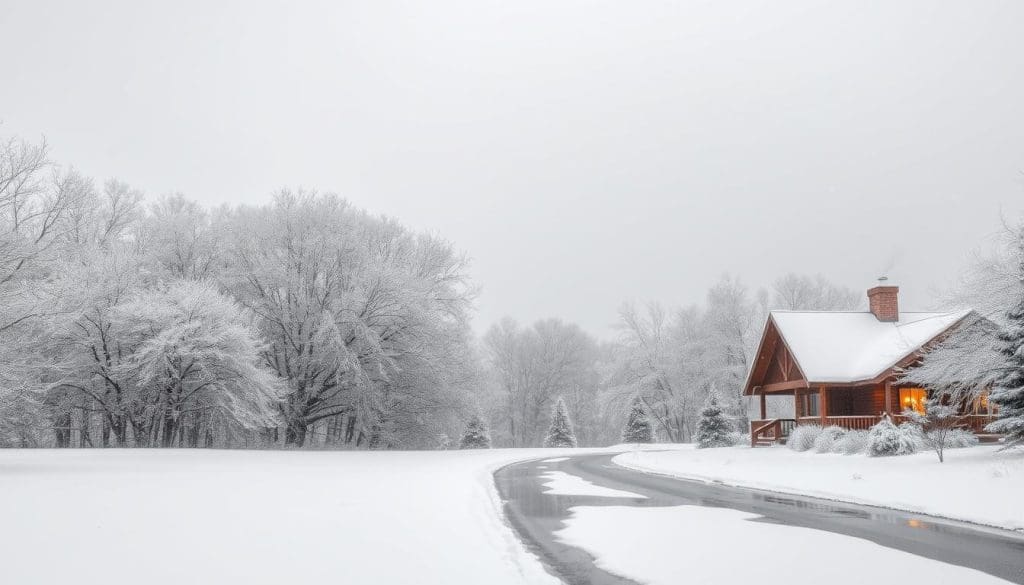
775,431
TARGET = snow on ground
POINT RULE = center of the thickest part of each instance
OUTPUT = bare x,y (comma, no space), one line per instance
559,483
555,460
978,484
691,544
254,517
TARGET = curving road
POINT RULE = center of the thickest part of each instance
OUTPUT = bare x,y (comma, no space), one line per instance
536,515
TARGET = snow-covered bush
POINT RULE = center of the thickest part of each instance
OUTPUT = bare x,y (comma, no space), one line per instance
828,436
714,429
959,438
914,434
803,436
885,439
933,428
851,443
737,438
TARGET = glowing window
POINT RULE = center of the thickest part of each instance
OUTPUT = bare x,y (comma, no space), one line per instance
913,399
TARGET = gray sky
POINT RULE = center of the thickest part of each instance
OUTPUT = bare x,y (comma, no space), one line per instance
582,152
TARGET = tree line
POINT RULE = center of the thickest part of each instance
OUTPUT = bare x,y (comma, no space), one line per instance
307,322
669,361
302,322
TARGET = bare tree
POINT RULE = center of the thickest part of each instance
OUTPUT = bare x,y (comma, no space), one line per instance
531,368
812,293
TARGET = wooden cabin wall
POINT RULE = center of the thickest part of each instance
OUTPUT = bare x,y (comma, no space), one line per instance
860,400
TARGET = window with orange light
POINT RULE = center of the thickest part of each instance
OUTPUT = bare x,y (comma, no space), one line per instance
913,399
983,406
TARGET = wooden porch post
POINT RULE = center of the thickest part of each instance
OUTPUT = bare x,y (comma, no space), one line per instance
764,406
888,396
822,404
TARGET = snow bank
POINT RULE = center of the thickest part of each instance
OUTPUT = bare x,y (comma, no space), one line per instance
648,545
978,484
172,517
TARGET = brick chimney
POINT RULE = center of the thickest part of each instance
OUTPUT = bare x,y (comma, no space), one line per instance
883,301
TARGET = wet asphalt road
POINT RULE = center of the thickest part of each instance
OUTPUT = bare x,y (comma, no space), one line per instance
536,515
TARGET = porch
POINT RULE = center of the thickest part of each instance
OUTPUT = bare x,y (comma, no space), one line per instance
770,431
846,406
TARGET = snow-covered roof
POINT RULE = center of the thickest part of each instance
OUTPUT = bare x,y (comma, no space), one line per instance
840,346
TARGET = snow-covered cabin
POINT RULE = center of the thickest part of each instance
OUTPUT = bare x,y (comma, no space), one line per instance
842,367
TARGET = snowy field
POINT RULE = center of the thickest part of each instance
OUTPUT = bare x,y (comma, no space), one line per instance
691,544
254,517
978,484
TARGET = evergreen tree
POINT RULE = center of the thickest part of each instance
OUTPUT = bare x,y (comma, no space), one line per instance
560,434
714,428
638,426
476,435
1009,389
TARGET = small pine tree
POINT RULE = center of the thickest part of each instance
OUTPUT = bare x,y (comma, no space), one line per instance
1009,389
476,435
560,434
638,426
713,429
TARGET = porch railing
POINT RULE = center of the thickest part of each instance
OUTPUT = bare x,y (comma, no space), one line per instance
853,423
974,422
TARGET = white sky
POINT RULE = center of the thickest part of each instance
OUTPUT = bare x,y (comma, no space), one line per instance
582,152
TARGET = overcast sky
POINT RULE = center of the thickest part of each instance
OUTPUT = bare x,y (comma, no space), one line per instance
583,153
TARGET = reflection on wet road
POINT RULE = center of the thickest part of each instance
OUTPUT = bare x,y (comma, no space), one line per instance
537,515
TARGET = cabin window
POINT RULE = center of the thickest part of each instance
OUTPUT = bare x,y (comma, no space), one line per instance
913,399
983,406
811,405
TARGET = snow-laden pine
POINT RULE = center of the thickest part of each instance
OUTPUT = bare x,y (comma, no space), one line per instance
476,435
638,424
714,428
560,434
1008,393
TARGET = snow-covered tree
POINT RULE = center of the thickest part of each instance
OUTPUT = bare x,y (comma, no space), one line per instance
638,424
35,199
366,321
476,435
196,353
183,239
732,323
798,292
530,367
714,427
935,425
560,434
963,365
83,356
972,358
660,357
1008,392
